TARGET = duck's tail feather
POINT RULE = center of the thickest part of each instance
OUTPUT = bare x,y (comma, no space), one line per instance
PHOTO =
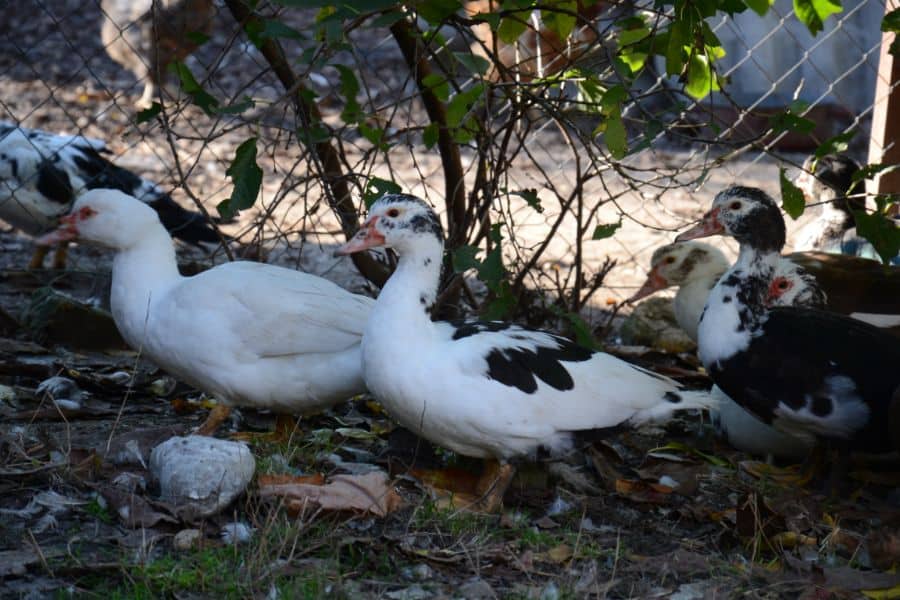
675,401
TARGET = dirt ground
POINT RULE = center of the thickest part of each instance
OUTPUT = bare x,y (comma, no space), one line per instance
663,513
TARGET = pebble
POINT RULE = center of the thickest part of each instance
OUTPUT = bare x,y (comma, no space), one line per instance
187,539
476,589
236,533
201,475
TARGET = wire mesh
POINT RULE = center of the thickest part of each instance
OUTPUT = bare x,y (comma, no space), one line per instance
58,73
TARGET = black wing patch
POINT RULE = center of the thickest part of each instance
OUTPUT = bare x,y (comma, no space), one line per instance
54,184
521,367
801,349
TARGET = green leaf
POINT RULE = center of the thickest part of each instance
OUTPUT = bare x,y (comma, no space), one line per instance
561,23
352,112
788,121
813,13
148,114
615,136
375,135
237,108
189,84
502,304
462,103
476,65
701,77
377,187
604,231
792,199
197,37
530,196
678,38
761,7
869,171
276,29
631,36
512,27
436,11
247,178
316,133
463,258
430,135
437,84
835,145
583,334
881,231
891,21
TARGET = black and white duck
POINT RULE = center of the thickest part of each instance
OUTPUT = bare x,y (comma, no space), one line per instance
492,390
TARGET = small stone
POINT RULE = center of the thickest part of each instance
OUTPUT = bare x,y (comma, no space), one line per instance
186,539
7,394
201,475
236,533
550,592
652,323
414,592
476,589
419,572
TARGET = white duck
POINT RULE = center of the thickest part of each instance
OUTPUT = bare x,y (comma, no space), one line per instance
42,173
492,390
248,333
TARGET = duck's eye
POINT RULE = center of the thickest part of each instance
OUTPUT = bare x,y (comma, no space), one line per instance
86,212
783,284
393,213
735,206
670,260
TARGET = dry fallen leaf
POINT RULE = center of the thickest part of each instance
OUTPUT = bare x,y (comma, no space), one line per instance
557,554
371,492
279,479
641,491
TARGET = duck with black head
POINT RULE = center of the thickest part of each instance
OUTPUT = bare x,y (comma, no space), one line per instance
811,373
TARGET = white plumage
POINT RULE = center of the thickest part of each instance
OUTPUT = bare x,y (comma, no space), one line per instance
491,390
248,333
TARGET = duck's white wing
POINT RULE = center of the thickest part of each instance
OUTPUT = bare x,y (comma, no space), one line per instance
570,386
271,311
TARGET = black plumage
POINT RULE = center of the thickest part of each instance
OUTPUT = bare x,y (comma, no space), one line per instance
792,358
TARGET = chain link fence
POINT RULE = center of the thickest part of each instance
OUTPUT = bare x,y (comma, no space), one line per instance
536,171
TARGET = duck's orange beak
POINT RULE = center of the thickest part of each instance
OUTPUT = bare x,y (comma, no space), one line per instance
708,226
65,231
655,282
367,237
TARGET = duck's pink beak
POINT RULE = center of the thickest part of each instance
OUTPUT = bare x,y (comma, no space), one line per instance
67,230
655,282
367,237
708,226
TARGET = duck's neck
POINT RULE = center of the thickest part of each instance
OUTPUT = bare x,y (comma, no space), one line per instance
691,298
404,304
141,275
736,307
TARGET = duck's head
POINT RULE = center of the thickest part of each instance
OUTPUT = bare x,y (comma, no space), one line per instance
399,221
792,285
107,217
831,177
747,214
681,263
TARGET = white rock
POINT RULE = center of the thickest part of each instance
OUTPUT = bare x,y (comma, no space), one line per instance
201,475
187,539
236,533
7,393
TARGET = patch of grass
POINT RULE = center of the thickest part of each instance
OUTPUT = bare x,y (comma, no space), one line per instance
96,510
